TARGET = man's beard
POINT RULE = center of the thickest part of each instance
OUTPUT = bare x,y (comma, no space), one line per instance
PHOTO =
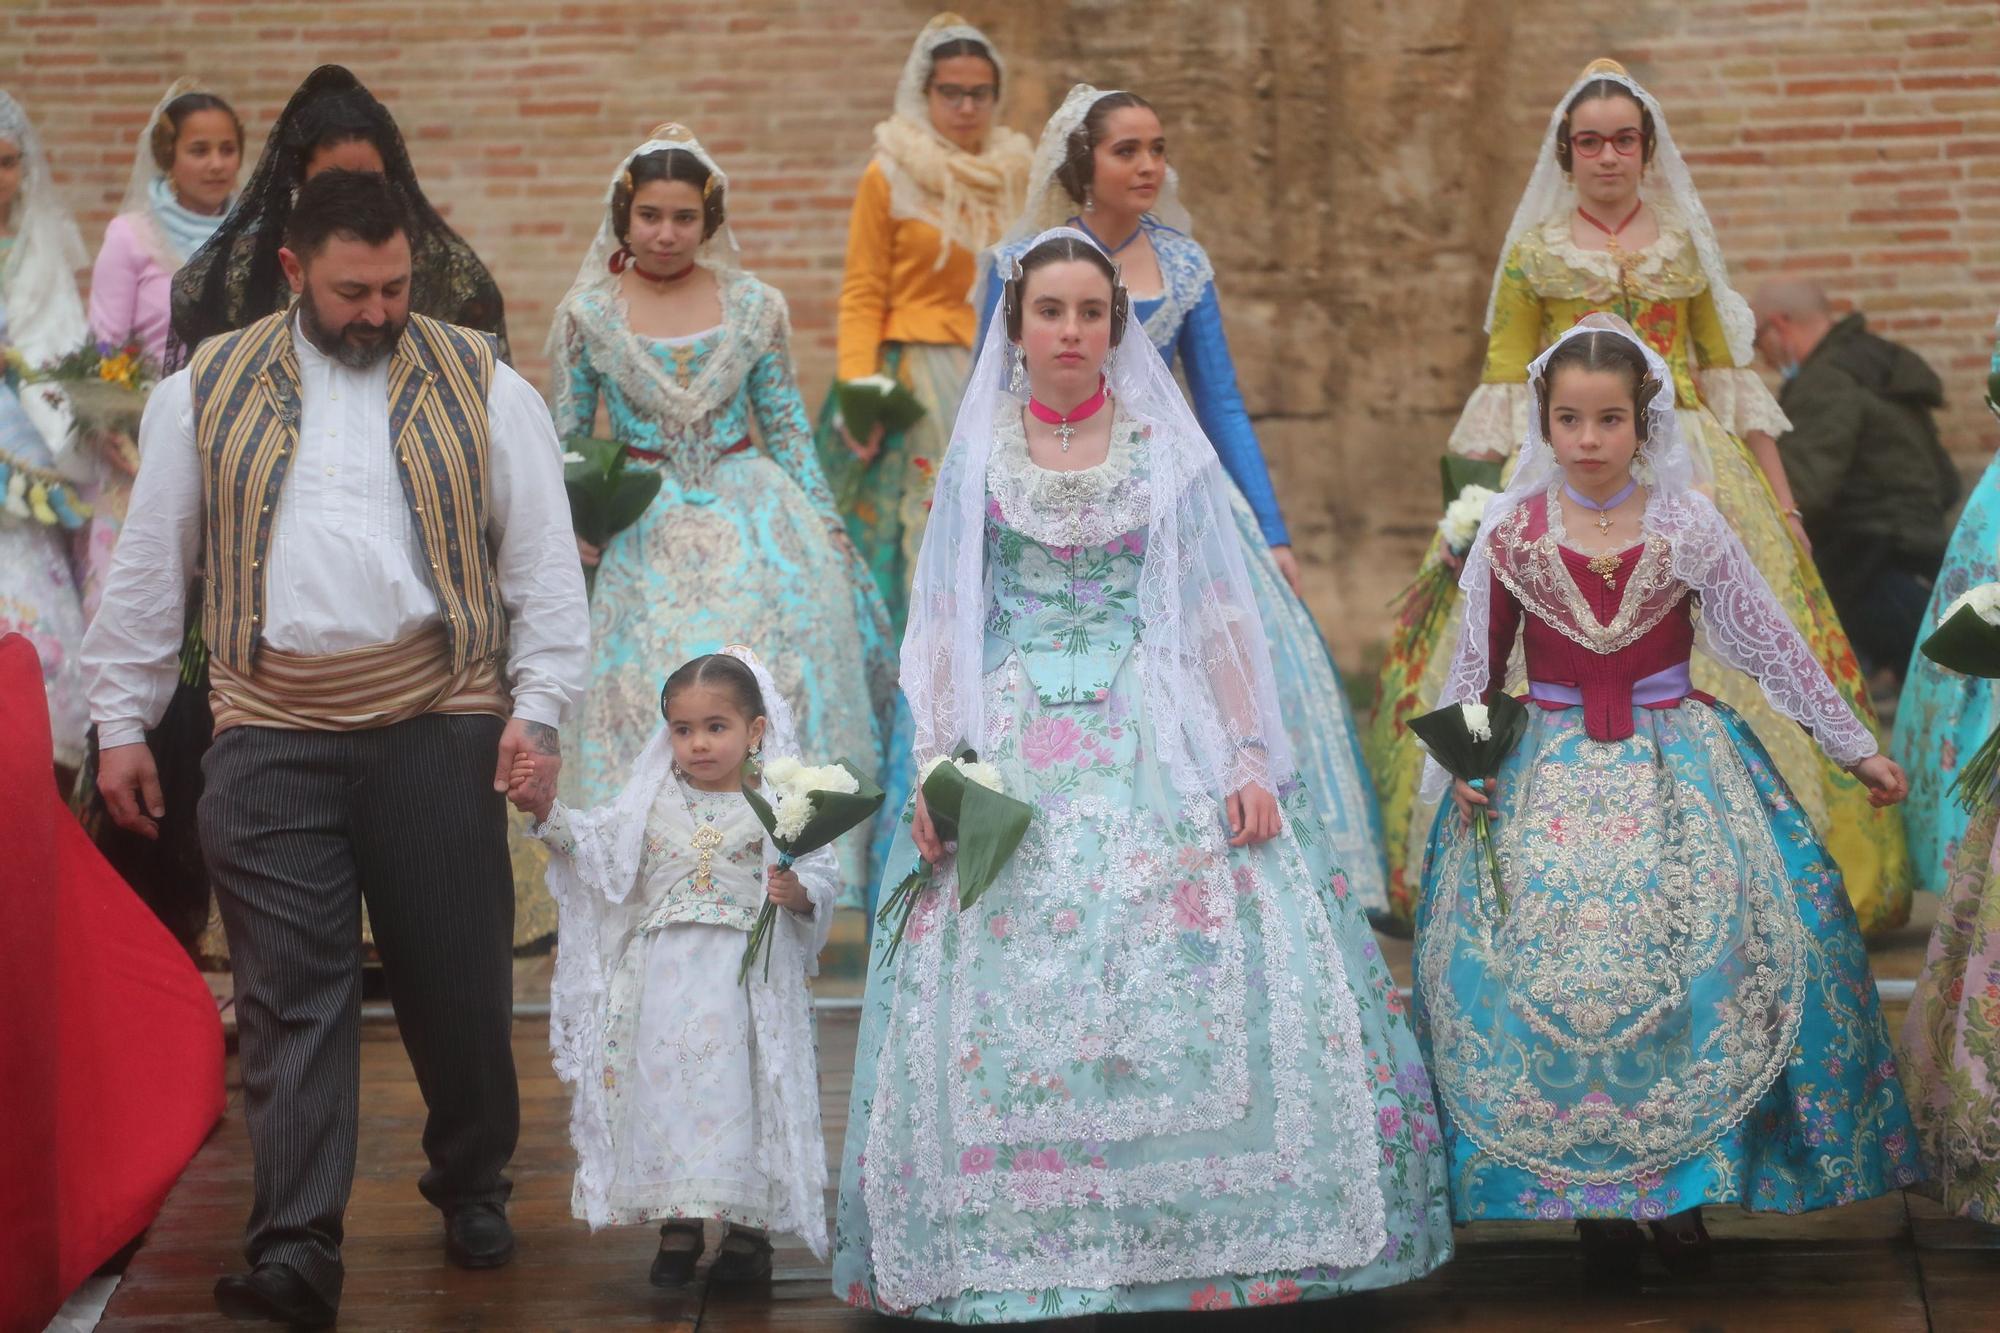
355,345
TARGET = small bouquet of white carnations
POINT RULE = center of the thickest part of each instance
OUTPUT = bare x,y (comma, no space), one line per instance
1468,741
1467,493
968,806
1967,640
803,808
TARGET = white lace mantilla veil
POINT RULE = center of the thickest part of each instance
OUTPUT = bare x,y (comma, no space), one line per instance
1741,623
1048,203
1202,655
1550,193
591,890
44,314
958,217
138,196
617,351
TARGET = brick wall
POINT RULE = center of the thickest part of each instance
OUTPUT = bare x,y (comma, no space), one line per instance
1351,166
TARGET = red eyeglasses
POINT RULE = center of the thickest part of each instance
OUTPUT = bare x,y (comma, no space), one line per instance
1589,143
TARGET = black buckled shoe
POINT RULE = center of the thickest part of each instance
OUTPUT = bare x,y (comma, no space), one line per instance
274,1293
1683,1244
674,1265
745,1257
477,1235
1611,1249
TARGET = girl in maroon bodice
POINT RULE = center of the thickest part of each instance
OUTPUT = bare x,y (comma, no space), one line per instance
1665,1003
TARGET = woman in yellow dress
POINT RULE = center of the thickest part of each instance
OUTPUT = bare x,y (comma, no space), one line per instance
944,183
1611,222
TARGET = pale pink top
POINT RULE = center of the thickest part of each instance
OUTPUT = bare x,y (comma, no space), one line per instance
131,292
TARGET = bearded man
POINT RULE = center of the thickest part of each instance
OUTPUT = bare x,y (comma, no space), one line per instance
394,612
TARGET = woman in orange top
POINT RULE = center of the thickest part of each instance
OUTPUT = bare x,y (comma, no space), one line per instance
944,183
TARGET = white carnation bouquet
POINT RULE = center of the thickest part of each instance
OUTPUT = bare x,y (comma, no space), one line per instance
803,808
968,805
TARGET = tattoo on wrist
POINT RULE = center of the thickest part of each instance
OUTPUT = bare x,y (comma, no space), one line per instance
542,738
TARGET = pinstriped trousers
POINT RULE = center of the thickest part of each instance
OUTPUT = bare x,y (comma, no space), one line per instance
298,827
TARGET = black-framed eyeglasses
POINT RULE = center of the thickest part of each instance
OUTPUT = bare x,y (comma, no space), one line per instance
981,94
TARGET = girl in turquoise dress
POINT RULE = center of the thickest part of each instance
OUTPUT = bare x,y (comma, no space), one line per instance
1139,215
687,352
1943,717
1664,1001
1159,1064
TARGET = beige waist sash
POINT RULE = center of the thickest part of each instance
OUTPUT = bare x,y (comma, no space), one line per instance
376,686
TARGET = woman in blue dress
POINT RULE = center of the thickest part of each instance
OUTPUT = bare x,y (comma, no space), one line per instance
1101,167
1656,996
1159,1064
1943,717
687,353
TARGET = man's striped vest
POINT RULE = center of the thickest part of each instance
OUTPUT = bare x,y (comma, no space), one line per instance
246,428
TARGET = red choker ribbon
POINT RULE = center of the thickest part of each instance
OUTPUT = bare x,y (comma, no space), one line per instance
1065,422
622,259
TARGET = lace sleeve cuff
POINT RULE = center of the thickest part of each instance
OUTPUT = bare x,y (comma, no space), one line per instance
554,832
1741,402
1495,421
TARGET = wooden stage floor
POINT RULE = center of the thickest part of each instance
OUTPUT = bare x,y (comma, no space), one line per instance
1889,1265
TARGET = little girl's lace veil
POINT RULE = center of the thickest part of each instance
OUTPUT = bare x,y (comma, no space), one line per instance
1203,657
1741,622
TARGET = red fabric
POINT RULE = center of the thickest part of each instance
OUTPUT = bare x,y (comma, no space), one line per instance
1605,680
111,1055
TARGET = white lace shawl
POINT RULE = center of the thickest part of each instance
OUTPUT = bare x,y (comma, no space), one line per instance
596,919
1742,623
1205,661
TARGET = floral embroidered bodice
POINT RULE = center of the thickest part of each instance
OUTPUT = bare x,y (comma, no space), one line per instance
1065,553
1599,624
693,400
712,873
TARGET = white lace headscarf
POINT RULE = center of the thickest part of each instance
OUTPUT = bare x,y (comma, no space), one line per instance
1550,193
594,310
147,188
1049,204
1741,622
44,314
1202,653
591,889
968,197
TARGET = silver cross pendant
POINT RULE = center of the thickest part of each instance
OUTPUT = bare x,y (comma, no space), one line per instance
1063,432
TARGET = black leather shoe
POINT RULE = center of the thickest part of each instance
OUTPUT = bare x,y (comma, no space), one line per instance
274,1293
477,1235
745,1256
674,1265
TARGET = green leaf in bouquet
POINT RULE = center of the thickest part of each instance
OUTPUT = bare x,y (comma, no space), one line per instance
1965,643
864,404
1993,393
987,825
1458,472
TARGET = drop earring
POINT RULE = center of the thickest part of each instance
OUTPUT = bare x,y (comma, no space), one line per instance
1089,200
753,765
1017,382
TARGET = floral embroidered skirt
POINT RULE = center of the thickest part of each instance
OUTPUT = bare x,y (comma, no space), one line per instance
1146,1071
1674,1006
679,1082
1943,717
1951,1037
1867,844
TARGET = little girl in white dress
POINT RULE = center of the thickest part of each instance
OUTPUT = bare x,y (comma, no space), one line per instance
695,1095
